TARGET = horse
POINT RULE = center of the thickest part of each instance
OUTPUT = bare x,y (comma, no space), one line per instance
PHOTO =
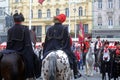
90,60
55,66
105,63
12,66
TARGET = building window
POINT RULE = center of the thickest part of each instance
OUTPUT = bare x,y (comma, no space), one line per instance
31,13
48,0
16,1
99,21
2,9
110,21
110,36
67,12
85,28
119,20
80,13
39,13
85,12
57,11
48,13
47,27
110,3
119,3
100,4
39,31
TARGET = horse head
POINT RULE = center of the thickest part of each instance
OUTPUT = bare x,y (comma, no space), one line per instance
91,49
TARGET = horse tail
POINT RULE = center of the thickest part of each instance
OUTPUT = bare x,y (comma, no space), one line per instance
52,67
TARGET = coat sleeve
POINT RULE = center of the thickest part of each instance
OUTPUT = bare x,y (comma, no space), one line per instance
27,41
67,39
9,43
70,41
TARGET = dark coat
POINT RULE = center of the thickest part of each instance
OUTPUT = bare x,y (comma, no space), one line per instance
58,38
115,70
19,40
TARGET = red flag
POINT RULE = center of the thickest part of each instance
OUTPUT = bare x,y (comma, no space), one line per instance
81,33
40,1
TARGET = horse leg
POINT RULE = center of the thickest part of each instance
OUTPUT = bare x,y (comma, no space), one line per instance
86,71
91,70
87,68
0,77
103,76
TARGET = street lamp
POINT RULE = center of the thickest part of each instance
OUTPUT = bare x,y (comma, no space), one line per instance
30,9
75,19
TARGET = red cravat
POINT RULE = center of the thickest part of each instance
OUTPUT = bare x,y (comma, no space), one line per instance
105,50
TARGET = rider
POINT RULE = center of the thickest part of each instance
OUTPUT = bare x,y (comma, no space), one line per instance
86,46
98,46
19,40
58,38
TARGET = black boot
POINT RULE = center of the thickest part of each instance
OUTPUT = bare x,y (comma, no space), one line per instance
75,70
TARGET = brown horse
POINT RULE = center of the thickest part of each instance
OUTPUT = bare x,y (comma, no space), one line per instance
12,67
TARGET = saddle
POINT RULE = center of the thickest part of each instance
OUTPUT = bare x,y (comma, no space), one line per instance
3,52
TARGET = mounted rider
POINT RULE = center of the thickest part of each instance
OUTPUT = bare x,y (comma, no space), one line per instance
86,46
97,47
19,40
57,37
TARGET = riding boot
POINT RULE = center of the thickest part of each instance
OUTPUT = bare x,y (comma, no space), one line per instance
37,66
75,70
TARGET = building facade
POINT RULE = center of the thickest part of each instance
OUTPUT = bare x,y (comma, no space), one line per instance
42,15
106,19
4,10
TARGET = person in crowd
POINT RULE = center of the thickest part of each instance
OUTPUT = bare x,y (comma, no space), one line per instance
86,46
77,54
33,37
18,39
98,46
58,37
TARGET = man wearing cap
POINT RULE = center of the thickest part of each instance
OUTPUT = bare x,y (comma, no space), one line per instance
86,45
57,37
19,40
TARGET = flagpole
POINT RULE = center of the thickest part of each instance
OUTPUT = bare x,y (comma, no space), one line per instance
75,18
69,16
30,9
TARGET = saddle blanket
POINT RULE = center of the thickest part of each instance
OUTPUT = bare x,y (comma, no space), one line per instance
6,51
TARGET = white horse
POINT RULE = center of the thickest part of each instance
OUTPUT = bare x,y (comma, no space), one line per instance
90,60
55,66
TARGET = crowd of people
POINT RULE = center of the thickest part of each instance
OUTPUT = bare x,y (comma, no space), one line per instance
57,37
80,50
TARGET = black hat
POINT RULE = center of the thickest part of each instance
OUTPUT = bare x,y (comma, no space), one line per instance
106,42
89,37
98,37
18,17
117,43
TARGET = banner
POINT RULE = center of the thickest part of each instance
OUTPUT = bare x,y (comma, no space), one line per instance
40,1
81,33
